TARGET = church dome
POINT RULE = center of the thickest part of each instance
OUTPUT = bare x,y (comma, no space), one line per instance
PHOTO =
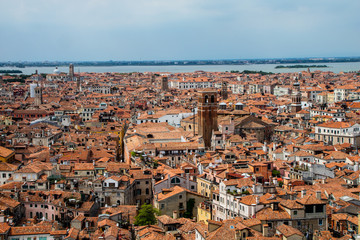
56,71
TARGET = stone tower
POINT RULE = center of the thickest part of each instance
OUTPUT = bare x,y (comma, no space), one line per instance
164,84
71,71
296,97
78,82
224,92
38,96
207,114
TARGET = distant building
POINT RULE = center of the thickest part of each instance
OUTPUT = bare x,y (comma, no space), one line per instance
338,133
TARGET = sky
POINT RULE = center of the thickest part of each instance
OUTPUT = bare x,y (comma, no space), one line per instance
138,30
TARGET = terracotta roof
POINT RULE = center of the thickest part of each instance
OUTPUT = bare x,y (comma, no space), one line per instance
288,231
4,227
5,152
30,230
269,214
7,167
291,204
83,166
336,124
309,199
165,219
249,200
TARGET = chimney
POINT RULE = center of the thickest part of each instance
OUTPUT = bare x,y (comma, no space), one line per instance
303,193
318,195
2,216
265,230
356,166
254,188
169,181
175,215
265,149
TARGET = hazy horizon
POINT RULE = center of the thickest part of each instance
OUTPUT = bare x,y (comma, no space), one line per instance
164,60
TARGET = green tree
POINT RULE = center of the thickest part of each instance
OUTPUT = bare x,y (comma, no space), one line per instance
276,173
189,208
246,192
146,215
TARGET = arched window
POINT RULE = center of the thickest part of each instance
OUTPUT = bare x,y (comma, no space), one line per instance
206,98
147,191
175,180
212,98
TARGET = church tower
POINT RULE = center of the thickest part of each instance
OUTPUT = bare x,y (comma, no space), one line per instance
38,96
71,71
78,82
207,114
296,97
152,79
224,90
164,84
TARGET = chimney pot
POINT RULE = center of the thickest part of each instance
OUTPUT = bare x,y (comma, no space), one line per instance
318,195
303,193
175,215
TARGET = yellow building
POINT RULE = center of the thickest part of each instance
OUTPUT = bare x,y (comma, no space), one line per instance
330,98
7,121
359,223
323,118
204,186
177,199
6,155
204,212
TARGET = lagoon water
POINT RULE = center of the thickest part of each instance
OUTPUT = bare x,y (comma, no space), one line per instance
333,67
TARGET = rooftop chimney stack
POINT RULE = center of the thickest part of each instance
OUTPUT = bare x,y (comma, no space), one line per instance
303,193
318,195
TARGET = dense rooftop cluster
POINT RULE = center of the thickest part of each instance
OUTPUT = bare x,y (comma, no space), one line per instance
220,155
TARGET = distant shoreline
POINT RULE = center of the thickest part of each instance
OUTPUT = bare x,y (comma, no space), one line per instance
301,66
10,71
110,63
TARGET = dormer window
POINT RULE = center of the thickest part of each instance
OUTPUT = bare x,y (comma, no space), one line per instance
175,180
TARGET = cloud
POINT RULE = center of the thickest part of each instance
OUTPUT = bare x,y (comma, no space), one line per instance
182,29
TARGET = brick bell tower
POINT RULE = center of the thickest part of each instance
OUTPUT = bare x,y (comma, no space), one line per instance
296,97
207,114
224,92
164,84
